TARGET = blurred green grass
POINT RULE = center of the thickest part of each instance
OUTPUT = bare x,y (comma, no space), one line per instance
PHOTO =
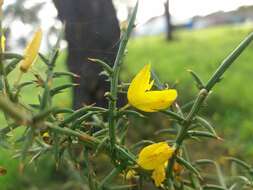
229,106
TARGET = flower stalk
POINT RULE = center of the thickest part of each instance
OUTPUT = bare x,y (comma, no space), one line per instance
115,80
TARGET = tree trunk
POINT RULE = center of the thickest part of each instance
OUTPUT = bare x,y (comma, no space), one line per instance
168,20
92,31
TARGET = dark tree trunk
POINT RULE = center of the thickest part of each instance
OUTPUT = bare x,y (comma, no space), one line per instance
168,20
92,31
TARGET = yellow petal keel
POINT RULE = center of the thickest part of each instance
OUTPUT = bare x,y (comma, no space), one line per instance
159,175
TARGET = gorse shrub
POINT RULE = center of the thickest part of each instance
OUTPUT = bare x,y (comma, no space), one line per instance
62,132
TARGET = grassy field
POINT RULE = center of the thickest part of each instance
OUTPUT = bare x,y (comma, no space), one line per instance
229,106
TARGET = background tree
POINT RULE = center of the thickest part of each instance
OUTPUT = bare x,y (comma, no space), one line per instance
92,31
168,20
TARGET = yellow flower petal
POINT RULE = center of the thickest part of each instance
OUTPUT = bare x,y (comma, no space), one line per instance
140,96
3,40
159,175
140,83
155,155
156,100
130,174
31,51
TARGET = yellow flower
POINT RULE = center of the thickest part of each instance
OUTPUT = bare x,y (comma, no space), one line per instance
140,96
159,175
130,174
3,40
154,157
31,51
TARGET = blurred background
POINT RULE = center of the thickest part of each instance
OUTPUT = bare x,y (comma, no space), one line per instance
173,35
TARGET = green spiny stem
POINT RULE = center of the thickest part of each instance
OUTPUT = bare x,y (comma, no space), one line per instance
3,77
1,55
203,95
197,104
109,177
85,138
228,61
80,113
115,80
8,129
15,112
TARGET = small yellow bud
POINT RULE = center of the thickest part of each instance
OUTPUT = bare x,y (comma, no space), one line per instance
130,174
31,51
3,40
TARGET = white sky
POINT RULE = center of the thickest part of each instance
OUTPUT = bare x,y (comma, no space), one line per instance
180,9
185,9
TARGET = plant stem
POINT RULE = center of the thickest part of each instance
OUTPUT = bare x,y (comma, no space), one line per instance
228,62
115,80
203,95
87,139
109,177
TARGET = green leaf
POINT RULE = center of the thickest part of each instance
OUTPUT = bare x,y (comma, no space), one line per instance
166,131
240,162
43,115
65,73
12,56
199,82
130,112
213,187
202,134
141,144
174,115
100,132
62,110
218,170
110,176
79,113
80,120
44,59
104,65
157,82
227,62
11,66
189,166
59,89
119,187
206,125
